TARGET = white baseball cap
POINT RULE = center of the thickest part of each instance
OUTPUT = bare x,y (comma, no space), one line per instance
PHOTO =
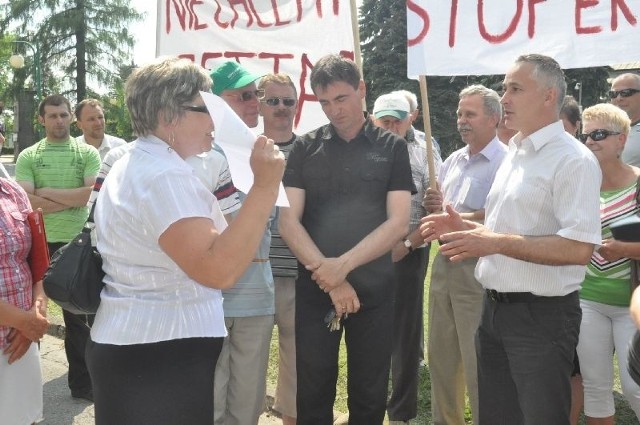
391,104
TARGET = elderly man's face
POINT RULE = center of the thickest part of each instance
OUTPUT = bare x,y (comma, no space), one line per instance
244,102
476,127
394,125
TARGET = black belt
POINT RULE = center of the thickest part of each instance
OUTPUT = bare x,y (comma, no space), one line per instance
521,297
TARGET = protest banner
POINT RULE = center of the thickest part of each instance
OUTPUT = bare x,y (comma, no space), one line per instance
483,37
263,35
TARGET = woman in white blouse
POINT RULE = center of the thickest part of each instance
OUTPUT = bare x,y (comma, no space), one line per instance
160,325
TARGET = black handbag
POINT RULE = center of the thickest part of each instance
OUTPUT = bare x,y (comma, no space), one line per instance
74,278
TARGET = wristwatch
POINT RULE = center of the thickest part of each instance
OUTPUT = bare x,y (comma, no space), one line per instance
407,244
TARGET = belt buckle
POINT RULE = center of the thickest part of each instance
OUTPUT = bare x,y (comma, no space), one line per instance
493,295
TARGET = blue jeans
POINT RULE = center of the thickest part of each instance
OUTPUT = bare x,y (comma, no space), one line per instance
525,358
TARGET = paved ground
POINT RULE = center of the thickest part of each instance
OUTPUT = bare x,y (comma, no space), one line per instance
59,407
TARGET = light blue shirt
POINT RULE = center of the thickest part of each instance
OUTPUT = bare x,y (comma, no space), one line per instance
253,294
465,179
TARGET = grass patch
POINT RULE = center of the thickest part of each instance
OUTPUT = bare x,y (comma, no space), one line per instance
624,414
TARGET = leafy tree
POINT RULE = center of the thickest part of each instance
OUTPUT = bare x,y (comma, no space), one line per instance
78,39
383,31
118,121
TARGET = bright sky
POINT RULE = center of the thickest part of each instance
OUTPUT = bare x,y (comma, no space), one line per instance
145,30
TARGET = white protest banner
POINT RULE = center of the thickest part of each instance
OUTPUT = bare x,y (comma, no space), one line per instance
263,35
479,37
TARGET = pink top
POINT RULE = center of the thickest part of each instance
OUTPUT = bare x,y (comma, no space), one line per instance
16,286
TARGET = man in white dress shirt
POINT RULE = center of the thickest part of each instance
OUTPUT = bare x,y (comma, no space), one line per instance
542,223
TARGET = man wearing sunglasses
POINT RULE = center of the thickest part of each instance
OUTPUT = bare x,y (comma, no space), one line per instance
237,87
278,110
625,94
240,376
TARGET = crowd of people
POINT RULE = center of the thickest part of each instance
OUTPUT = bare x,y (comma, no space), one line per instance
529,297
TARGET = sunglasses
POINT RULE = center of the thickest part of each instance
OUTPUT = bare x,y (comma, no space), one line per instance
196,108
275,101
597,135
246,96
624,93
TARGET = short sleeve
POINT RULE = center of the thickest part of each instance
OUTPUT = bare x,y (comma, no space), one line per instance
24,166
173,196
293,171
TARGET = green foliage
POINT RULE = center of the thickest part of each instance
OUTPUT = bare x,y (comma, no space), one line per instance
594,84
78,40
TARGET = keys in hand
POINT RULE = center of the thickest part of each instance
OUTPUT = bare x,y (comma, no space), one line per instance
332,320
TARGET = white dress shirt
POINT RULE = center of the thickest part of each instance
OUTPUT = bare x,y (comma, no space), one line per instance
549,184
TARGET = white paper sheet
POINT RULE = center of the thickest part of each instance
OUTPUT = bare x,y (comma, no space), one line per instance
236,140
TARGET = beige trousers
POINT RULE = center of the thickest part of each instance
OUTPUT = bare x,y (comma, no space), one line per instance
240,379
455,306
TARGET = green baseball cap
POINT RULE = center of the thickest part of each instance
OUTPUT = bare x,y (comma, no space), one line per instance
229,76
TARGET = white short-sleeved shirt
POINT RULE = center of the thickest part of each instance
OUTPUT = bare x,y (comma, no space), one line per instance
147,297
548,184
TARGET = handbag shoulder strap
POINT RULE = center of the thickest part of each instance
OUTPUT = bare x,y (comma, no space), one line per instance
89,224
638,191
93,207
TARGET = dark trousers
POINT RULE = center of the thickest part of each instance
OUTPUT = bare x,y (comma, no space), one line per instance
408,329
367,336
525,357
77,327
161,383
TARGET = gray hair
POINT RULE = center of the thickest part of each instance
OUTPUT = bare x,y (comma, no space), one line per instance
411,98
548,74
490,98
162,87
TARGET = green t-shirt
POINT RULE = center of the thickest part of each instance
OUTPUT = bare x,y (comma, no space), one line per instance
61,166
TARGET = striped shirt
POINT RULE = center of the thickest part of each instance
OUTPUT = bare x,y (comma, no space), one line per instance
283,262
608,282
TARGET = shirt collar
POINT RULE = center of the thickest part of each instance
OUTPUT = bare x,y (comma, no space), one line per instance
492,149
367,130
541,137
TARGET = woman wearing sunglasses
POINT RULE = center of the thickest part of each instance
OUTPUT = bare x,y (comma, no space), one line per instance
167,252
605,294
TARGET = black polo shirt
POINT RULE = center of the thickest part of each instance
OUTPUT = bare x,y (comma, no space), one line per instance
346,185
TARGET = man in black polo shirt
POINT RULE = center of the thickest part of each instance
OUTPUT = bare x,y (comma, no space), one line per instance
349,185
